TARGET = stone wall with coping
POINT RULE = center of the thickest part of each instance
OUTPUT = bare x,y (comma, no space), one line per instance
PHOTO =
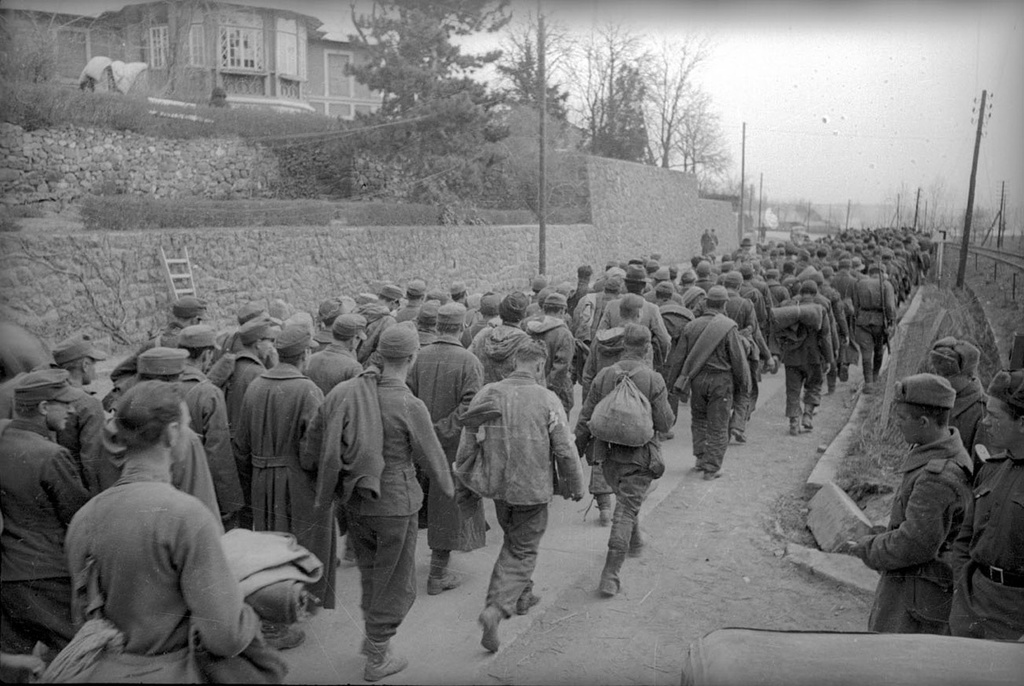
49,168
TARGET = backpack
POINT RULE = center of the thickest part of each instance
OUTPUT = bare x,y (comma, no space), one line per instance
623,416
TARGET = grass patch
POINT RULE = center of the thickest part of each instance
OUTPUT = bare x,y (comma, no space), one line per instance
133,213
41,105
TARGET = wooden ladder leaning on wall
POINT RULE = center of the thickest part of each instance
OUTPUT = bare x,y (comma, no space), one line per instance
179,274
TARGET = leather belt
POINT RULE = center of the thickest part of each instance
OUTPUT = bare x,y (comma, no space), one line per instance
261,462
1001,576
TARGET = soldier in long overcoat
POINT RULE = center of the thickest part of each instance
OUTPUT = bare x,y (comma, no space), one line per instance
446,377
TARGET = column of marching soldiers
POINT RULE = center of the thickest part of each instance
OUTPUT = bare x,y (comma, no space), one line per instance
400,410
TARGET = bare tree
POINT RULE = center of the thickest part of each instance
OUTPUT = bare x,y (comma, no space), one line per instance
700,141
602,63
670,92
518,66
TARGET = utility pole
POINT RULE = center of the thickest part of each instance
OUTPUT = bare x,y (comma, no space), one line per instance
743,180
542,250
966,241
897,210
1002,216
808,221
917,201
847,215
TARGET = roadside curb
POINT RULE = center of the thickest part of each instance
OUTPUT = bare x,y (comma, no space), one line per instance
828,464
843,569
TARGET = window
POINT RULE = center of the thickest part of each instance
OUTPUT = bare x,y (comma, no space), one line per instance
339,83
340,110
241,40
287,46
158,44
196,46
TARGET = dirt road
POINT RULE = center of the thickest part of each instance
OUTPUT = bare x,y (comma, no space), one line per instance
713,560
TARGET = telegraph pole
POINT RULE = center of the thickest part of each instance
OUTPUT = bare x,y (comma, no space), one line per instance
847,215
743,180
966,241
542,251
1002,216
917,201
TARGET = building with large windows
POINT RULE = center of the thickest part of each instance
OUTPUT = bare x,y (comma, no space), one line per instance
261,57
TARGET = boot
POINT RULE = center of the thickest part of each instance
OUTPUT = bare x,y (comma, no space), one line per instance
805,424
440,579
381,661
527,599
794,426
282,636
604,508
636,541
489,620
609,585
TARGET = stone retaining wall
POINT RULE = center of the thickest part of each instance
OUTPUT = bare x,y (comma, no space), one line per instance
56,166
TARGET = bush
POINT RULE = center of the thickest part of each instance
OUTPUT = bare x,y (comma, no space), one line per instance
132,213
43,105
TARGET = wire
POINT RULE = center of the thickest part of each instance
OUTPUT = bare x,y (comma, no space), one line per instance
927,139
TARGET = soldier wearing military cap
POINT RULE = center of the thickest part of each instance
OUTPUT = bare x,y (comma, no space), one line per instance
42,491
337,362
415,291
957,361
550,327
209,419
378,320
185,311
874,307
276,413
377,429
255,354
743,311
494,346
914,553
446,376
390,295
988,555
426,323
82,433
328,312
486,316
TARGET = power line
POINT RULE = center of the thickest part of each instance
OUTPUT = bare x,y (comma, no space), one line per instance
836,134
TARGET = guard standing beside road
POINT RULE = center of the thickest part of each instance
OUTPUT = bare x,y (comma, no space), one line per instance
989,551
915,554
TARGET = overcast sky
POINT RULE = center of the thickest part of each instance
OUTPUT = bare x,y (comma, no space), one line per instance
843,101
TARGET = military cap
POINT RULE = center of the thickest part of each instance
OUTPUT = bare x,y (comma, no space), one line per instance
887,253
802,254
826,272
457,289
293,339
75,348
732,279
162,361
651,266
329,309
543,293
874,268
538,283
348,326
925,389
513,306
416,288
197,336
725,267
661,274
438,295
692,295
845,263
613,284
398,342
278,309
556,299
390,291
960,357
255,330
1008,386
187,307
635,273
365,298
250,310
489,303
616,271
664,289
687,277
718,294
772,273
704,269
808,286
427,316
565,288
455,313
45,384
747,270
746,242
